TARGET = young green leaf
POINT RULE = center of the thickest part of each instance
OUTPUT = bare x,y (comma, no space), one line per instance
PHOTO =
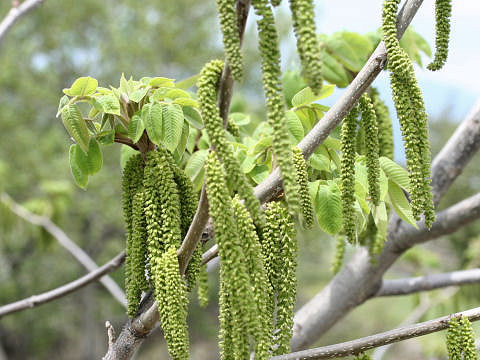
193,116
135,128
320,162
195,164
81,178
75,124
82,86
395,172
306,95
63,101
177,93
162,81
294,125
152,119
400,203
172,119
138,94
183,139
125,153
328,206
94,157
109,104
259,173
183,101
380,217
240,119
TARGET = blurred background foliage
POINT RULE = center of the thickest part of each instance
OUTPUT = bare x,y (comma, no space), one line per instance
63,40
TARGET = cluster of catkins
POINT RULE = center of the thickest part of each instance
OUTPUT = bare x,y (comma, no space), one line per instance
257,250
460,339
411,114
159,205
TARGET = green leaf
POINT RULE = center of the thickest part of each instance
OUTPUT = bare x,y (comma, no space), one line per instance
259,173
333,143
262,144
106,137
308,116
188,82
94,157
152,119
125,153
135,128
177,93
82,86
333,71
109,104
248,164
240,119
306,95
193,116
328,206
183,101
80,177
400,203
75,124
293,82
191,140
395,172
320,162
183,139
294,126
162,82
63,101
380,217
194,167
383,182
138,94
351,49
172,119
313,189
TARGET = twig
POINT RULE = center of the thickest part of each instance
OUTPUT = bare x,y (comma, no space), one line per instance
360,345
66,242
15,14
428,282
66,289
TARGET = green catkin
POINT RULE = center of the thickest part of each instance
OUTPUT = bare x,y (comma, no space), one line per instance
308,48
261,323
172,305
348,174
275,102
233,128
468,339
237,307
411,113
362,356
339,254
207,96
454,340
384,122
203,286
275,2
229,24
443,12
304,193
360,140
369,123
131,182
280,233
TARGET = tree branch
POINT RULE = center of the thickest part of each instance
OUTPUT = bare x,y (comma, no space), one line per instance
63,239
360,345
429,282
15,14
66,289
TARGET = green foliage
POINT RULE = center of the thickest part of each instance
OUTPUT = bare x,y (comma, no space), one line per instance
412,116
228,21
76,126
443,12
307,44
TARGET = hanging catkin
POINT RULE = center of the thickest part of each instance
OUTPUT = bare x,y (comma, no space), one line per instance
308,47
348,174
231,39
302,180
412,116
207,96
272,86
369,124
237,307
203,286
443,12
384,122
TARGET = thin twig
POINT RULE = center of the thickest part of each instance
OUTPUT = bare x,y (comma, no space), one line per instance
66,289
373,341
66,242
428,282
15,14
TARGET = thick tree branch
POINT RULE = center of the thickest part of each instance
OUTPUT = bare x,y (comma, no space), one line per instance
15,14
63,239
428,282
360,345
66,289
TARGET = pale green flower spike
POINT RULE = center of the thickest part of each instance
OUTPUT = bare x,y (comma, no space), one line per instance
384,122
443,12
229,24
261,324
302,180
468,339
347,171
237,306
362,356
171,295
280,252
369,124
339,254
207,97
272,86
203,287
412,116
308,47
